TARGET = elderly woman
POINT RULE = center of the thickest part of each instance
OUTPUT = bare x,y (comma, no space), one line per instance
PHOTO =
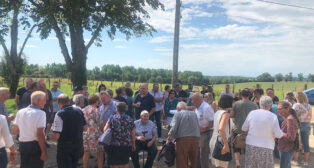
170,106
289,127
222,128
304,112
262,127
94,126
208,98
78,101
145,140
123,137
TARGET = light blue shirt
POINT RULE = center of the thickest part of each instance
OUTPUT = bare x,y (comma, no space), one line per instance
55,94
105,115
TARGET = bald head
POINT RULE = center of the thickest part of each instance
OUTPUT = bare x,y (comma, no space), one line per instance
4,94
197,99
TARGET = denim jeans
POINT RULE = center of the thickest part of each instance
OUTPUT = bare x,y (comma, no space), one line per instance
156,116
3,158
305,136
285,158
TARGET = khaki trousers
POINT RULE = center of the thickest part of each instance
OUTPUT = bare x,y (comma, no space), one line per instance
187,150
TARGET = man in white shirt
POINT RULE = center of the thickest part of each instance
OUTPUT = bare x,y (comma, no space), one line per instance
158,98
205,115
30,123
5,141
262,127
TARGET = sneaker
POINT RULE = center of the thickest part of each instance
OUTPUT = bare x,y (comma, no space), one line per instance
305,163
294,163
141,153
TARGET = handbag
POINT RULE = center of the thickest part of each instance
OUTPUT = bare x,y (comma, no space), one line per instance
239,141
106,137
218,148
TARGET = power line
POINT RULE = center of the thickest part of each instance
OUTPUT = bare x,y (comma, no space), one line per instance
295,6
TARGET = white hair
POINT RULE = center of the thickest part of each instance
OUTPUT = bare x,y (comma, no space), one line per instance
77,99
37,95
144,112
265,102
3,91
181,106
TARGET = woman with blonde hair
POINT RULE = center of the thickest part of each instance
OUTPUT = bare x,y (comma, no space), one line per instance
304,112
209,98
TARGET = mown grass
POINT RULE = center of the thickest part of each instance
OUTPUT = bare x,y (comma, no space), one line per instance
281,88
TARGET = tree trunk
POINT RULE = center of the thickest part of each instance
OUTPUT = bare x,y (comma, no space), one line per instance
14,85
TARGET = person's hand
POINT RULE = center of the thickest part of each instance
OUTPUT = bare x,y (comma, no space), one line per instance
133,147
149,144
203,129
11,117
142,138
12,156
43,157
225,149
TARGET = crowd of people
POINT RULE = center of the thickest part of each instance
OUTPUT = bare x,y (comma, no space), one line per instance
245,122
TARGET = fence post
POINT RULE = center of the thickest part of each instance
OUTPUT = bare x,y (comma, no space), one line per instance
305,87
258,86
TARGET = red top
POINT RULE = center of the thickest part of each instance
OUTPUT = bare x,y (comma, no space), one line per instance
290,128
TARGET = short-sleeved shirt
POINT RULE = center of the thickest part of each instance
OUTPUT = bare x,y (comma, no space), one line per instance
106,114
241,110
121,126
158,94
147,130
26,99
170,105
55,95
20,93
5,136
224,93
69,122
303,111
205,114
147,103
28,120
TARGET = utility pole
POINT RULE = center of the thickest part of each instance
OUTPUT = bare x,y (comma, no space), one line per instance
176,44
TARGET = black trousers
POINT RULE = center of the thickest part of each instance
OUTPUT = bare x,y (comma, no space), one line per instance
151,151
68,154
30,155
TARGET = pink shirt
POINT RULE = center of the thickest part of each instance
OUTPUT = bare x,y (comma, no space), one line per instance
290,128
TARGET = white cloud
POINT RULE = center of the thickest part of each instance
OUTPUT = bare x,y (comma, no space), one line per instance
162,49
120,46
161,39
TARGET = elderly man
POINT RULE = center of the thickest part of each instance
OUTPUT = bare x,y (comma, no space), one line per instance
78,101
5,141
262,127
21,91
205,115
271,93
158,98
186,131
5,95
30,123
240,111
227,91
108,107
145,140
68,129
144,101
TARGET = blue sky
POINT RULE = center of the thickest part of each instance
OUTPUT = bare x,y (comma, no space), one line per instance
218,37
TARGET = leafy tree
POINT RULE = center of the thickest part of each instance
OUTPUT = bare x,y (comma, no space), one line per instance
265,77
300,77
73,18
12,15
288,77
279,77
311,77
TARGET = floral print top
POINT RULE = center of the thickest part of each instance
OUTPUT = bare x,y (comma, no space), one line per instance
121,126
304,112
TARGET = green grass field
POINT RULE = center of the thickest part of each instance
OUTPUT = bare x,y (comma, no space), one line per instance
281,88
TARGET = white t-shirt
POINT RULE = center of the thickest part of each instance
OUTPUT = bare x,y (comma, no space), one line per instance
158,94
28,120
263,128
205,114
5,136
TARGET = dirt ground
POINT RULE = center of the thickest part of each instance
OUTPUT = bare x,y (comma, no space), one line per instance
51,163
